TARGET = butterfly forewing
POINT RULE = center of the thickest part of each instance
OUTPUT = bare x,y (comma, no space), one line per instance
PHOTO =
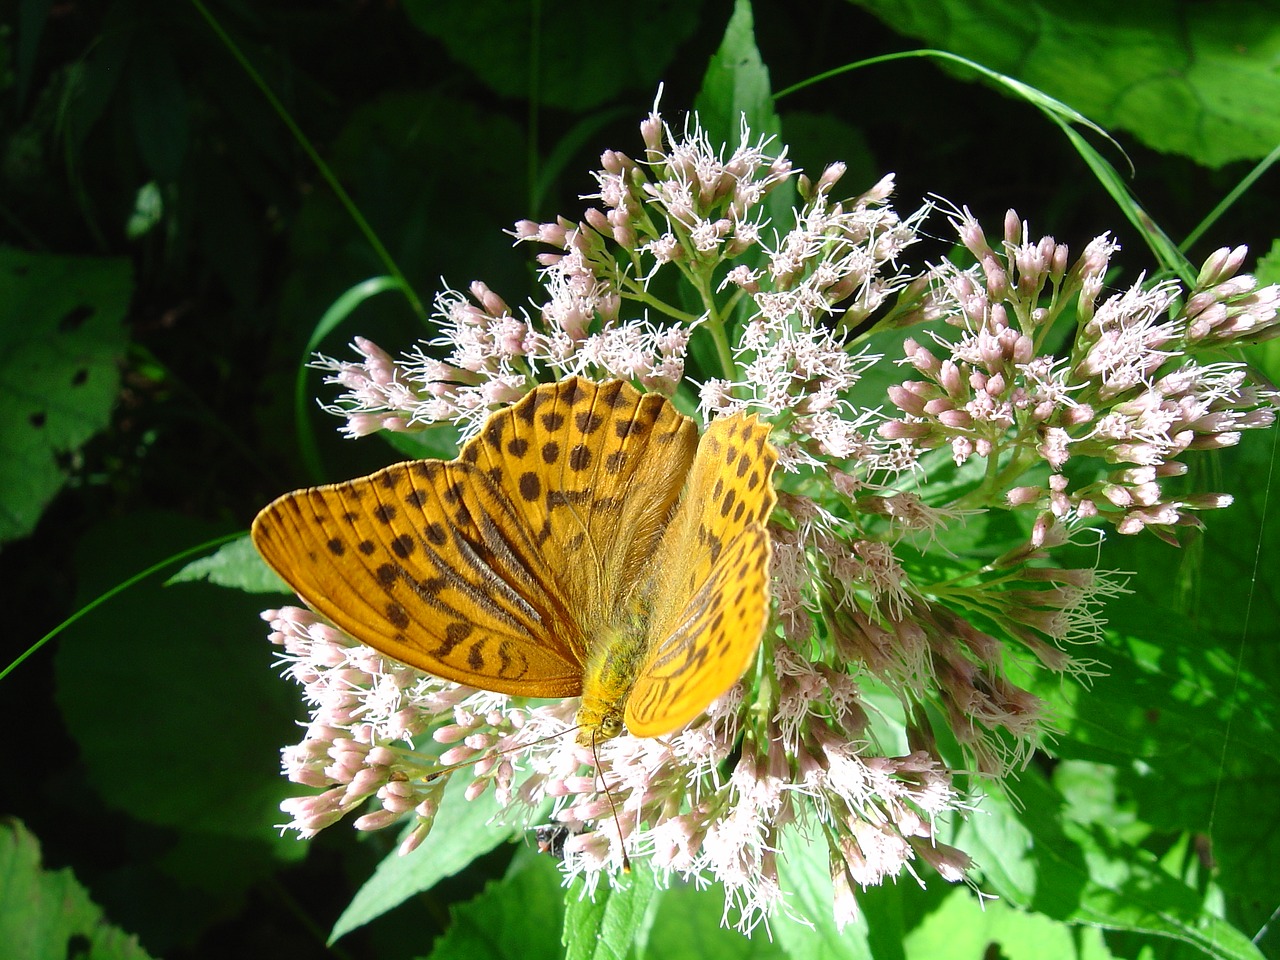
429,563
710,587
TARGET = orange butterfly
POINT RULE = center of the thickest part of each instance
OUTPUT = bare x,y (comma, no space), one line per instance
556,557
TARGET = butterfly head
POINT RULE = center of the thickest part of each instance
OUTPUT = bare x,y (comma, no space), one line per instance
598,722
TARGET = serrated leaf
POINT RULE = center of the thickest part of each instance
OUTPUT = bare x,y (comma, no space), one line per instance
61,339
516,918
1040,859
461,833
612,923
1197,79
47,914
236,565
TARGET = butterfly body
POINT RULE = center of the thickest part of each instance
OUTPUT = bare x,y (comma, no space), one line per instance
585,543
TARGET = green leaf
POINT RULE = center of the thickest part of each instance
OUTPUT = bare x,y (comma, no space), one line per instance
235,565
61,340
805,874
965,927
461,833
1045,858
47,914
689,925
614,922
516,918
1197,79
518,49
1190,688
737,83
171,695
158,105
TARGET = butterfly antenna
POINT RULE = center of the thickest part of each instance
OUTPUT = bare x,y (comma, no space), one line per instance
613,807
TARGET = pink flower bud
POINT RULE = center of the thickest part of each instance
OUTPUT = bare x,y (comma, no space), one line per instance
1012,228
900,430
955,419
1021,496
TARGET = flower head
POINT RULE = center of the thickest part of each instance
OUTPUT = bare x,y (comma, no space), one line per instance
879,635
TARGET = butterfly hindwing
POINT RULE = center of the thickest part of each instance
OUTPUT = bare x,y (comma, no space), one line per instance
710,587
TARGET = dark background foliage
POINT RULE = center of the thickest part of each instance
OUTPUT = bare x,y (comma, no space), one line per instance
142,750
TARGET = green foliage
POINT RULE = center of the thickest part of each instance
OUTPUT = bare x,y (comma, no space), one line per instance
147,748
460,835
602,49
47,914
61,338
1184,77
510,919
235,565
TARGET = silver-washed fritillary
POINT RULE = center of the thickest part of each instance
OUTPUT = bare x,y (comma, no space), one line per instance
556,557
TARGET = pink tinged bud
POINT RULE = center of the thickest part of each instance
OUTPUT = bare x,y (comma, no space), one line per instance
900,430
475,788
310,776
1131,524
364,784
938,405
830,177
1012,228
525,230
906,400
1208,501
997,278
921,358
414,839
1214,441
951,380
376,820
972,237
1021,496
611,161
1023,349
399,789
983,447
1117,495
450,733
1221,265
1080,413
1043,531
955,419
624,236
457,755
950,862
599,222
1057,268
996,385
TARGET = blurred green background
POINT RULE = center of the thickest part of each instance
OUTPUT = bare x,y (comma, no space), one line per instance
167,248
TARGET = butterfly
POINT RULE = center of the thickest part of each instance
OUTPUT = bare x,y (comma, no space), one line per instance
585,543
